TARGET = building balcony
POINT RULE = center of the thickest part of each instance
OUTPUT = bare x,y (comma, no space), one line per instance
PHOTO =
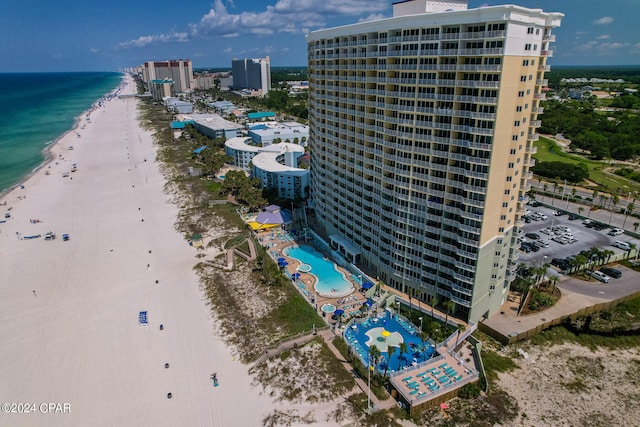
546,53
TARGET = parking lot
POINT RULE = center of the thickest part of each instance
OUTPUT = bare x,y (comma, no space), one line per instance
569,237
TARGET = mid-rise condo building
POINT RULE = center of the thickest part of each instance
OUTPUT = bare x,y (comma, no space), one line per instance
421,130
180,71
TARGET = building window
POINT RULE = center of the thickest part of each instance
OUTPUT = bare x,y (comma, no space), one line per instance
503,217
516,123
511,165
527,46
514,138
521,94
505,204
519,108
530,30
509,178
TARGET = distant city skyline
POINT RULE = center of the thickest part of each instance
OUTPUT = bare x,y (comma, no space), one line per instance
89,36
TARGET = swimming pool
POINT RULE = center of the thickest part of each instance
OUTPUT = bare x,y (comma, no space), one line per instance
368,333
329,281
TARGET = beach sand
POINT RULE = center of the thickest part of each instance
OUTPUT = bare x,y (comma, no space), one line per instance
77,340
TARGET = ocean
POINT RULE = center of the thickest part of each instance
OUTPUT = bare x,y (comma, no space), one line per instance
38,108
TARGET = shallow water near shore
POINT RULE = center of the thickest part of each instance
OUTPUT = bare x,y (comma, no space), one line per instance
36,109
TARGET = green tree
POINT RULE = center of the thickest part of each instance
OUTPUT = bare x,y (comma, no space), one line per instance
449,307
403,349
390,351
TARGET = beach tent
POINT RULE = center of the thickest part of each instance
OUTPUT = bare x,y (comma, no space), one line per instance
367,285
338,313
273,215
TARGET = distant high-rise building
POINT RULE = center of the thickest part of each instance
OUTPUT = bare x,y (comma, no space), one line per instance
421,131
180,71
254,74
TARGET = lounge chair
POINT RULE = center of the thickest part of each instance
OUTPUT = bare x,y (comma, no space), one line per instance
406,379
413,392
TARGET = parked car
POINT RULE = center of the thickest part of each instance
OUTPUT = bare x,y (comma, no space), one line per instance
525,248
542,243
616,232
560,263
622,245
572,217
532,236
611,272
598,276
559,213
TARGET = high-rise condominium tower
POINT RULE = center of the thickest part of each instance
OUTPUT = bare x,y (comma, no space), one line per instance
422,128
252,74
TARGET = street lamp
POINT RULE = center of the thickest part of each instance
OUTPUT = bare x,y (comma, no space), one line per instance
420,319
369,389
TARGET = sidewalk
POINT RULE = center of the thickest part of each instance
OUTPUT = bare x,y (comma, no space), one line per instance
377,405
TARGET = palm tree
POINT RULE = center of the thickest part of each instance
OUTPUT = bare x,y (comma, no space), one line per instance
374,355
403,350
554,281
580,260
635,226
390,351
580,210
614,200
449,306
630,207
545,187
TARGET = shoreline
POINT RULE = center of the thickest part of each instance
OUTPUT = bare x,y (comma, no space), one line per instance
70,327
51,145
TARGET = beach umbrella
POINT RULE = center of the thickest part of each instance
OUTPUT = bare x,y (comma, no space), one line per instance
295,276
281,260
385,333
283,264
338,312
444,406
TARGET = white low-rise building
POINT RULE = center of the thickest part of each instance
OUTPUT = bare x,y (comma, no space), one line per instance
267,132
214,126
276,165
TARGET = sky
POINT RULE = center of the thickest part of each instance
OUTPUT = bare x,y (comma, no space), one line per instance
81,35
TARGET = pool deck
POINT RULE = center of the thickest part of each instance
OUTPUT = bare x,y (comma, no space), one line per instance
276,240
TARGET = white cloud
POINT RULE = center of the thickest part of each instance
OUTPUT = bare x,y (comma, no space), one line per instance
286,16
143,41
94,50
372,17
605,20
604,37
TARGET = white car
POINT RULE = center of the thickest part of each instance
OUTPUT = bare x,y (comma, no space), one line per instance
542,243
622,245
598,276
543,216
616,232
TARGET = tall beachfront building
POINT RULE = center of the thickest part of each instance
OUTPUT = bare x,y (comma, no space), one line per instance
253,74
421,129
180,71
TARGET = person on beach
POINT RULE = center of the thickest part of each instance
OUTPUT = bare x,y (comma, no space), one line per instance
34,293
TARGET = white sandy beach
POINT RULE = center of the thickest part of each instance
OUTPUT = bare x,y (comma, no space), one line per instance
78,341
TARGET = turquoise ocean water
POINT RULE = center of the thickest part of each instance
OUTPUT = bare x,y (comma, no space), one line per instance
38,108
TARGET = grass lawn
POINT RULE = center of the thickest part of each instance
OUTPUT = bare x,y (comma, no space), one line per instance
549,151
